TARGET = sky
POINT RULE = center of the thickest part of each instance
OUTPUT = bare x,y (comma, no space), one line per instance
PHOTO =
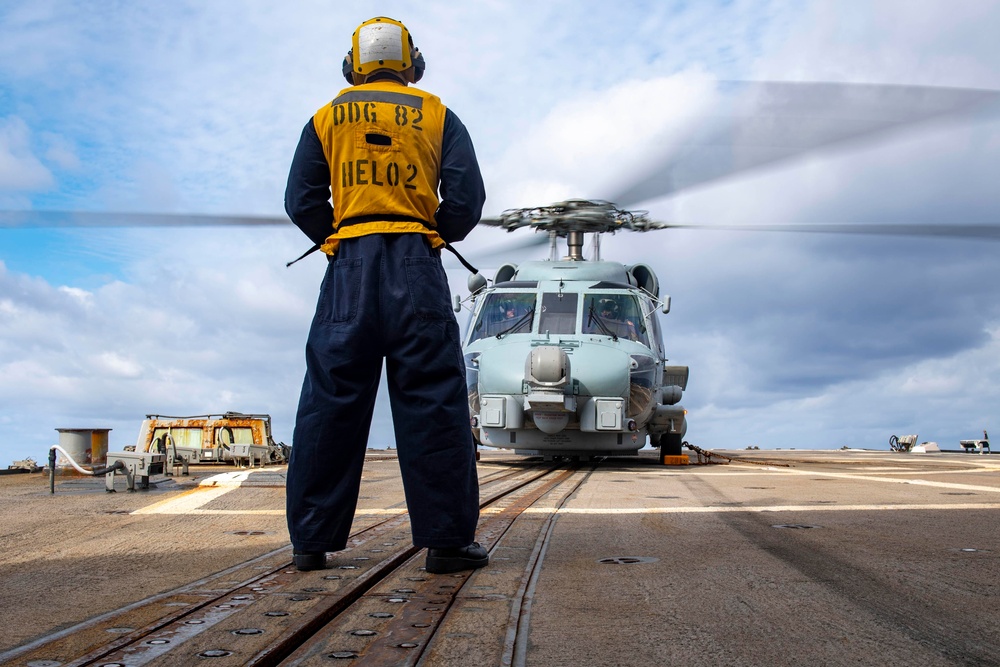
794,341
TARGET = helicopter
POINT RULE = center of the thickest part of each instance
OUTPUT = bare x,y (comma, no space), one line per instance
565,356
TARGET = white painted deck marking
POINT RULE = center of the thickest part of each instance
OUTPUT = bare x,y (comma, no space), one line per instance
211,488
178,510
765,508
208,490
893,480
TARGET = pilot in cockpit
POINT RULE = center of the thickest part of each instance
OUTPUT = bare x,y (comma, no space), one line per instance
611,313
513,309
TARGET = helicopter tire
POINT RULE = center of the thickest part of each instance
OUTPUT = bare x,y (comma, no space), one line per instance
671,444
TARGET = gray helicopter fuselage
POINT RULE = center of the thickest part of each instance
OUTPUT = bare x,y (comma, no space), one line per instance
567,358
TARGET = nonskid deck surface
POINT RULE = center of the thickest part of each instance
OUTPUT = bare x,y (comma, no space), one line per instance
777,558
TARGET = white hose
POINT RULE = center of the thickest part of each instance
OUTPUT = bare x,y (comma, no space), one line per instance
118,465
71,461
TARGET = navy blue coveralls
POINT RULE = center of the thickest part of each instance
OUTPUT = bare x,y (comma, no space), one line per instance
384,296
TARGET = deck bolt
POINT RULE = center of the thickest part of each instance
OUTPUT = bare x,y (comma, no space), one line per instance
381,614
408,645
194,622
158,642
215,653
363,633
300,598
276,613
342,655
397,600
332,577
403,590
421,625
248,631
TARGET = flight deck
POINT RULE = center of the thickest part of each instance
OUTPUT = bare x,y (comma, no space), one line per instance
775,558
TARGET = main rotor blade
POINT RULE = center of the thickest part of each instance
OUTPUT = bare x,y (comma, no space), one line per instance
38,219
504,250
990,232
768,122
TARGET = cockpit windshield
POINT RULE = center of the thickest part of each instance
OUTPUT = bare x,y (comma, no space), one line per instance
615,315
505,313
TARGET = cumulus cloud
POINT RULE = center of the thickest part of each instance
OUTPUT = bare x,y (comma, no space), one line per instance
587,144
20,169
60,152
206,330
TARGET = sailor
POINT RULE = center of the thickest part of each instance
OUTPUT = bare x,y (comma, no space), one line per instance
621,325
363,185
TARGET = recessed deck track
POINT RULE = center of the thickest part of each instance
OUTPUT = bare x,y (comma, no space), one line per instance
375,604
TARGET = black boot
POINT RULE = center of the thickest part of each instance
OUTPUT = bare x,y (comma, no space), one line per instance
456,559
309,560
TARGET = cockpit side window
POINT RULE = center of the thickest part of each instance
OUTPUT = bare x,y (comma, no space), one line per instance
504,313
615,315
655,332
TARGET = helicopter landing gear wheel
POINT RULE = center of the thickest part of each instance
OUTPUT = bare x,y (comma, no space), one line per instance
670,444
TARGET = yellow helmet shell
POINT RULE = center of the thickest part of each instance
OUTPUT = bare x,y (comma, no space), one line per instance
381,43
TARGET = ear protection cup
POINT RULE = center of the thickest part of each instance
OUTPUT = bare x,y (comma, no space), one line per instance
348,67
418,65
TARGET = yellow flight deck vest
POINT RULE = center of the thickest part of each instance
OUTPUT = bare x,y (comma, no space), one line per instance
383,142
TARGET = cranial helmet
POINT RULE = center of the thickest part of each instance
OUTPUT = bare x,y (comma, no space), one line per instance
382,43
608,307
